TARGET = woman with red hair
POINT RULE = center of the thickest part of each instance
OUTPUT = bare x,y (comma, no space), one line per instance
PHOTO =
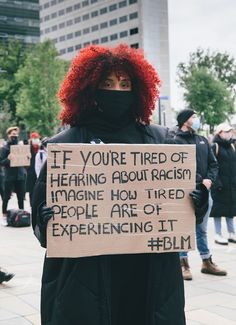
108,96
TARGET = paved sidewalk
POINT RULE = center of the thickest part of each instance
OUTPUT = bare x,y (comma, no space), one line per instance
210,300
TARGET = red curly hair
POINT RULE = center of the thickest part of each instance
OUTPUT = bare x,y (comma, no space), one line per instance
92,65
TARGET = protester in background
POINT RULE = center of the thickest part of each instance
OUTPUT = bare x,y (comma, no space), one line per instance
207,170
5,276
1,182
224,189
31,174
14,177
108,94
40,158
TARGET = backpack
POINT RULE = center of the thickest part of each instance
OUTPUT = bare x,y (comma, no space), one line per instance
18,218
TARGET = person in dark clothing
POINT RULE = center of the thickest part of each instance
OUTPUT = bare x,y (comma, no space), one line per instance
206,173
109,94
14,177
1,182
224,189
31,174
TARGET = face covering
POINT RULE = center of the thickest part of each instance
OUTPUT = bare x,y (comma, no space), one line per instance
35,141
196,124
114,105
13,139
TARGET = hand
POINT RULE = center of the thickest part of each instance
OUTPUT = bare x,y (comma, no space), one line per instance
200,201
207,182
45,214
10,156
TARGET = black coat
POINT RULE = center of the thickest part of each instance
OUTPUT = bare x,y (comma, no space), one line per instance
31,174
10,173
84,291
206,163
224,190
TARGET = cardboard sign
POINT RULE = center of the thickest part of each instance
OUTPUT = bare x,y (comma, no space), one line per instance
120,199
21,155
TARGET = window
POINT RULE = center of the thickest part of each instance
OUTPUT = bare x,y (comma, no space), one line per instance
62,38
93,1
113,37
95,41
62,51
94,28
123,34
103,25
61,12
135,45
85,17
85,3
77,20
68,9
54,28
86,30
122,4
103,11
70,49
133,31
54,15
46,5
132,1
53,2
113,22
69,22
78,46
113,7
86,44
104,39
47,30
133,15
61,25
78,33
54,40
69,36
77,6
46,18
94,14
123,19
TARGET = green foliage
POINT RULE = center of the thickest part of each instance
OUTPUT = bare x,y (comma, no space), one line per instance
209,85
5,119
12,56
209,97
39,80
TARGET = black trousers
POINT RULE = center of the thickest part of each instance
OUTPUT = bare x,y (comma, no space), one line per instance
13,186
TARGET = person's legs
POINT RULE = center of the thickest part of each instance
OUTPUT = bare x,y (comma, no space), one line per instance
5,277
186,273
219,239
8,186
20,192
231,229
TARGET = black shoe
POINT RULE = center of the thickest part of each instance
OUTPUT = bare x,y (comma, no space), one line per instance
5,277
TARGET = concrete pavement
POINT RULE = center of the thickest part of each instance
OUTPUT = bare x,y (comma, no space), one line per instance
210,300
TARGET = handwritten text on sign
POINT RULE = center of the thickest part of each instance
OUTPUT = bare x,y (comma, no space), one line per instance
115,199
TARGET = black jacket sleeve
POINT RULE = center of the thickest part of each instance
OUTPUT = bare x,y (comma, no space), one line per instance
213,167
4,161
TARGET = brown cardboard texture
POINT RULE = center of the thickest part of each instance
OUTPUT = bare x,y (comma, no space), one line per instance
21,155
120,199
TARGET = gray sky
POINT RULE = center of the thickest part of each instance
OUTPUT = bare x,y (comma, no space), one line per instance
199,23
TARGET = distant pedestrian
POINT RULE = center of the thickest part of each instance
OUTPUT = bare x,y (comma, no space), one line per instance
14,177
207,170
224,189
40,158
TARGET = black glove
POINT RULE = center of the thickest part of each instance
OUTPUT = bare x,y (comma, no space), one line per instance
45,214
200,198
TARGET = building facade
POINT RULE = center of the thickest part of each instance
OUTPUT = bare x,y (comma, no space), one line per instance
19,20
74,24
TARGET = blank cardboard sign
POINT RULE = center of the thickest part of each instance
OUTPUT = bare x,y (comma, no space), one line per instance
120,199
21,155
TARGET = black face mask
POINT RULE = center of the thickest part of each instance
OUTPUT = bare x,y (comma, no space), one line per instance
13,139
115,105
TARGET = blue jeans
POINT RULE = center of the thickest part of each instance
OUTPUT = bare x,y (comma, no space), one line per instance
201,236
229,223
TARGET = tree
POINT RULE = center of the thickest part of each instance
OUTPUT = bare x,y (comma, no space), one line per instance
5,119
39,79
209,97
209,81
12,56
